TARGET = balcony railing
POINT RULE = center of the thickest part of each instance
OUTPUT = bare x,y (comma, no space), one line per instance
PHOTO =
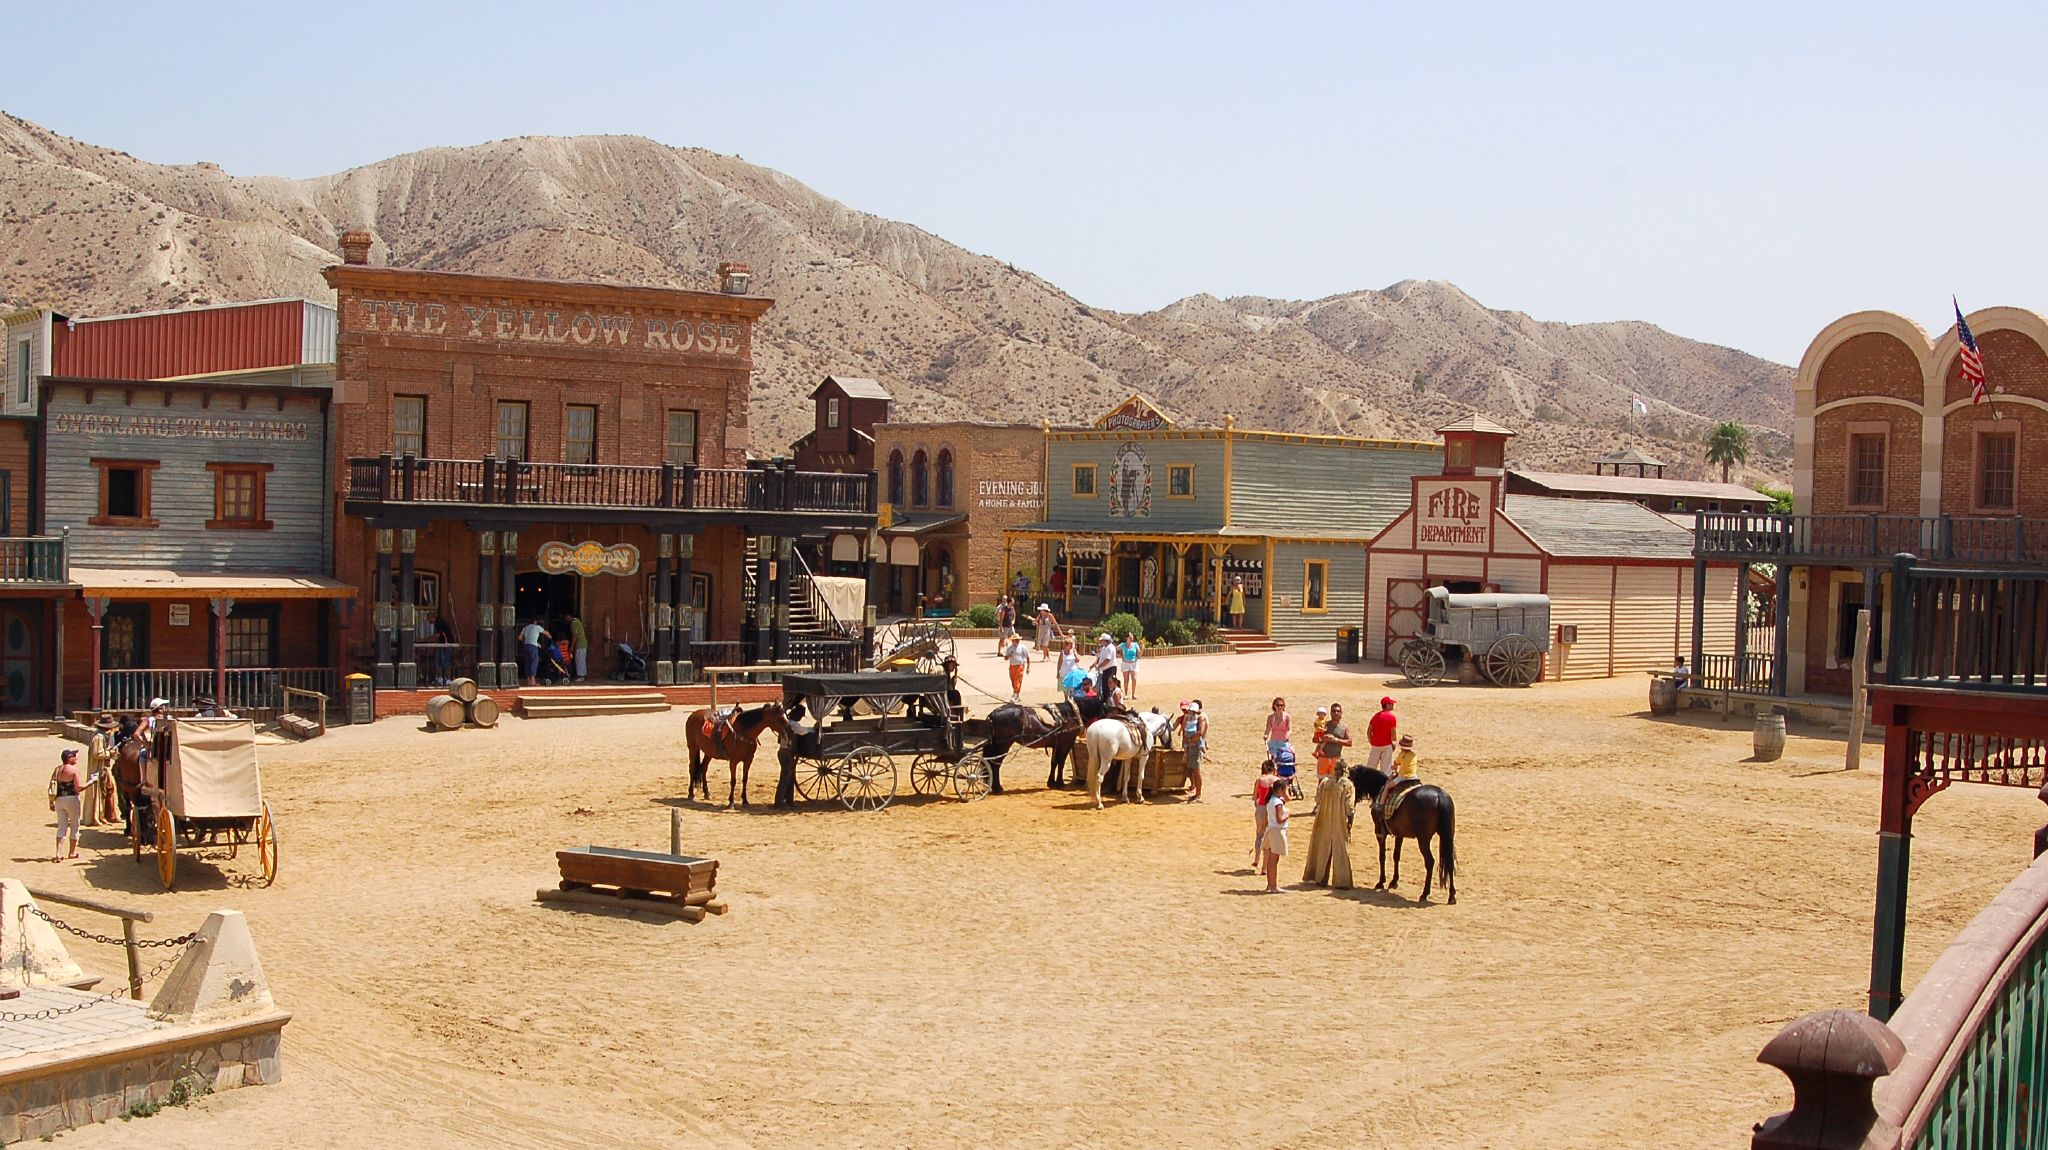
511,482
35,559
1765,537
1968,629
248,688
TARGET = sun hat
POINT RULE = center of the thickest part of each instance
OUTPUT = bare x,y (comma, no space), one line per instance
1322,710
69,754
1195,708
107,722
1407,740
158,702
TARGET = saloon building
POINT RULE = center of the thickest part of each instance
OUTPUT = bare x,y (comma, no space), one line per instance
516,449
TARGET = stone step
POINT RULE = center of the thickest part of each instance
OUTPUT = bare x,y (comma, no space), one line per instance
583,704
30,728
1246,642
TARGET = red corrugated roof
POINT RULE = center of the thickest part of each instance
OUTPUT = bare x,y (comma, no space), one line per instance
175,344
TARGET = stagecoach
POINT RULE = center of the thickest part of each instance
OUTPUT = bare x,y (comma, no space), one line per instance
914,645
209,794
1504,636
855,726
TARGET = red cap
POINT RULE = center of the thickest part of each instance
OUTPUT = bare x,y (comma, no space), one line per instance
1386,700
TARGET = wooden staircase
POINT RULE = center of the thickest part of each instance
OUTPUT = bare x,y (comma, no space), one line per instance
586,704
1246,642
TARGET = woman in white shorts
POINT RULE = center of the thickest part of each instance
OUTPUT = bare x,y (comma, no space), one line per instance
1276,836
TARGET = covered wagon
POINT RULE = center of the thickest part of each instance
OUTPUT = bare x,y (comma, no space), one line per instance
1503,636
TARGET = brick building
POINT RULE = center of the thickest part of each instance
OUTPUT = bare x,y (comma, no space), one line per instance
514,449
842,438
952,489
1891,455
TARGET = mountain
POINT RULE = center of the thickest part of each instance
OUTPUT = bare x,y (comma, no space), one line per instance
953,333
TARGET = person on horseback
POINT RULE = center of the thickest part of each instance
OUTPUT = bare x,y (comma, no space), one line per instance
1400,778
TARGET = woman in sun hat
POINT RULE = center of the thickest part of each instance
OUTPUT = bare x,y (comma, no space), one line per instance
1047,629
1194,739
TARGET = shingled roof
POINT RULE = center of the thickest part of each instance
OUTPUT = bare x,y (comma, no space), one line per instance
855,388
1633,486
1597,528
1475,422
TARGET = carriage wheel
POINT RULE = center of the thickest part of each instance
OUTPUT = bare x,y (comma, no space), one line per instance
1422,663
266,845
970,776
166,846
930,774
817,779
1512,661
869,779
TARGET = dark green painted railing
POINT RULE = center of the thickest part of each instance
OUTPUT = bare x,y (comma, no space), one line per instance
1998,1095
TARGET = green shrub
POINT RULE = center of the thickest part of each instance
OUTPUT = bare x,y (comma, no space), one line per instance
1119,624
981,615
1178,633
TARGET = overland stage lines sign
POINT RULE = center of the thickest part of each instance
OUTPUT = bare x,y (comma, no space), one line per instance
1454,515
589,558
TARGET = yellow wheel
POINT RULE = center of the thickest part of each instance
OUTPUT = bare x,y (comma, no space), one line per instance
166,846
266,845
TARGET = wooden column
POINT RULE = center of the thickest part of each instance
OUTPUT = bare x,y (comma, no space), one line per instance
222,607
487,608
96,610
663,669
778,635
764,547
508,610
1699,617
685,668
57,649
1741,625
386,618
408,607
1781,630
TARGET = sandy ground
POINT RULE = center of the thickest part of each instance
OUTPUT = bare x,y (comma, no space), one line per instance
1639,911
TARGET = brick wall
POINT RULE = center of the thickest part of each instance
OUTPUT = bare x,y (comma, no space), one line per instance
1831,431
1869,364
984,455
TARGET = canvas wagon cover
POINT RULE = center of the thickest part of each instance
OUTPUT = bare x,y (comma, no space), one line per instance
214,772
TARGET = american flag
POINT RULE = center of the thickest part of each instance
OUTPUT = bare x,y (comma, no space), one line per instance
1969,358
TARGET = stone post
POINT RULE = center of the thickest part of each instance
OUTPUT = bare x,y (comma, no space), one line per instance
663,670
686,667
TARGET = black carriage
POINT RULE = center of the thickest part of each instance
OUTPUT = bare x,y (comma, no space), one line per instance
856,725
1504,635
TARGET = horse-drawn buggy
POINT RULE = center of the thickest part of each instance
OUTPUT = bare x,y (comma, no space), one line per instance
856,726
207,792
1503,636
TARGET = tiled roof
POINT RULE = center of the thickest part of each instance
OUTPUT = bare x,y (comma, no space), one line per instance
1598,528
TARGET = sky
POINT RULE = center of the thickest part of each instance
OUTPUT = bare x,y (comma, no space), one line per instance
1737,173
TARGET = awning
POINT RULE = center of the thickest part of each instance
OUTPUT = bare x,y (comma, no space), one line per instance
923,524
163,583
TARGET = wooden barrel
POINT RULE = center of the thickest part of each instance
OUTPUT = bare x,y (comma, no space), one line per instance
1770,737
484,711
444,712
463,689
1663,695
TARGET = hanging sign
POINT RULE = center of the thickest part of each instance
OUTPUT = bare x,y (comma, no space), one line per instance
589,558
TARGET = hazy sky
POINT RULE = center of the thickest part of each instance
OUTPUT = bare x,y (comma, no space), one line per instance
1742,174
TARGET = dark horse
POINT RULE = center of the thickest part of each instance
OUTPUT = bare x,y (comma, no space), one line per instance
1014,723
1424,810
132,757
735,741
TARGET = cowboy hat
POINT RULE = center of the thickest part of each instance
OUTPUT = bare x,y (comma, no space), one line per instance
1407,740
107,722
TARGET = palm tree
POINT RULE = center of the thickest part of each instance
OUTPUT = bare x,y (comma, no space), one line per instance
1728,445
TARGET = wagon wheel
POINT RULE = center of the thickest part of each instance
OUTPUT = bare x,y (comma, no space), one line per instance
1512,661
930,774
816,779
970,776
266,845
1422,662
869,777
166,846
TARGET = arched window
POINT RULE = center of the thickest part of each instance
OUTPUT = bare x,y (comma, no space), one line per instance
945,491
896,478
920,479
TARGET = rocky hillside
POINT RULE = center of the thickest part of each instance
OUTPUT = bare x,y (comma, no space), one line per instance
954,334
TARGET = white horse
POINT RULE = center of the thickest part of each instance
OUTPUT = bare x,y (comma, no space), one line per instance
1111,741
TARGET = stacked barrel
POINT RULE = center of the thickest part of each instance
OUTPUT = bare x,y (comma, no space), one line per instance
462,705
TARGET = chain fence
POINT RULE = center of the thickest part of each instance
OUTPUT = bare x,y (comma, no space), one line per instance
183,943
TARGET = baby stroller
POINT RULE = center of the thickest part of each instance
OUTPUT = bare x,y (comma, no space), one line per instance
1283,765
631,666
553,667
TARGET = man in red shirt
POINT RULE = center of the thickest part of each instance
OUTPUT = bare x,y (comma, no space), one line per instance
1379,738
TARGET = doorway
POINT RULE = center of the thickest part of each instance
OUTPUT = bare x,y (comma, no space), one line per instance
552,597
17,658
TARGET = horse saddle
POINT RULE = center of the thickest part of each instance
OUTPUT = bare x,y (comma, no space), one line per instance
1394,793
1140,733
718,724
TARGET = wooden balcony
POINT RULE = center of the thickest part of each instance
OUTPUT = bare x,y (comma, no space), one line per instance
1858,540
35,560
766,496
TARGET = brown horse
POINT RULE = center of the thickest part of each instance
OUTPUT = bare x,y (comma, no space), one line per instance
735,741
1424,812
130,752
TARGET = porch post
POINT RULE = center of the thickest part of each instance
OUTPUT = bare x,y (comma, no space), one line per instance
868,544
486,609
764,546
1781,629
508,610
778,637
96,610
1699,618
387,617
221,606
57,650
685,664
1894,864
1740,678
408,607
663,671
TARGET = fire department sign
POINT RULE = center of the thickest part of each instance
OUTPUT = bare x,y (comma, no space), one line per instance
589,558
1454,515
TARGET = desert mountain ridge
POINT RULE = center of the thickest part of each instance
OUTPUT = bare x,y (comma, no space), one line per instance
953,334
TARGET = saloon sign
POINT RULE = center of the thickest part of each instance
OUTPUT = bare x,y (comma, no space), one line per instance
589,558
1454,516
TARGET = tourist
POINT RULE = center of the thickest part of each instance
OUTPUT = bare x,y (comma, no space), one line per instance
1262,789
1681,674
204,707
579,646
1315,737
1194,739
1069,661
100,800
1127,661
1275,842
1330,748
1404,761
1048,630
531,637
1019,657
1237,601
1379,738
65,785
1278,727
1329,849
1104,666
1020,588
1006,624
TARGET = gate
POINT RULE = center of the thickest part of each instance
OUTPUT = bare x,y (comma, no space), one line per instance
1406,599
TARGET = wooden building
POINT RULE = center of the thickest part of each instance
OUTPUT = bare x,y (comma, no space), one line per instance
1666,496
1619,575
842,436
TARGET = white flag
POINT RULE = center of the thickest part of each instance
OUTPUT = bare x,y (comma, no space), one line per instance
1636,405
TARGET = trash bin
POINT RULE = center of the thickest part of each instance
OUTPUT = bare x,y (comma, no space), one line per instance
362,701
1347,644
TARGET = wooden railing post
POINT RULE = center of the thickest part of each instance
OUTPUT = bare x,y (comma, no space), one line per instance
689,492
384,478
1833,1058
666,495
408,475
487,484
512,470
2019,539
